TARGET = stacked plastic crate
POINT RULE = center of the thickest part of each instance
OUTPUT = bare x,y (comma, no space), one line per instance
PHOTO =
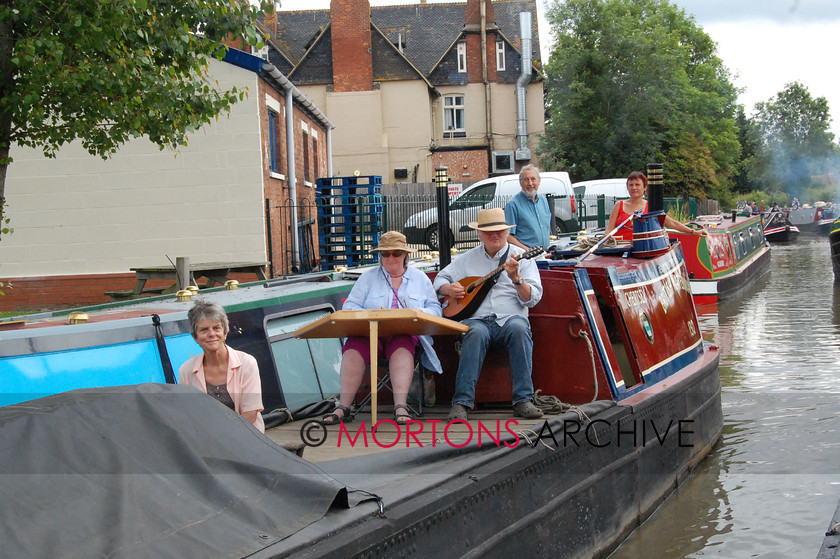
349,220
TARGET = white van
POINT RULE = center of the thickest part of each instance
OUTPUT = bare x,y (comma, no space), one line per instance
422,227
587,192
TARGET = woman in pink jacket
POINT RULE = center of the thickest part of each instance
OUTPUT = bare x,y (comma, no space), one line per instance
232,377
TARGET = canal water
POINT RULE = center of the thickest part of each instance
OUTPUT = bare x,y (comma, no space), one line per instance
770,486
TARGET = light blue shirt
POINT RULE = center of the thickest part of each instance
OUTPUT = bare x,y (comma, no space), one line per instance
373,291
503,300
531,219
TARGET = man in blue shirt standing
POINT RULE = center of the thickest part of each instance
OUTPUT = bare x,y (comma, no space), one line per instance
528,211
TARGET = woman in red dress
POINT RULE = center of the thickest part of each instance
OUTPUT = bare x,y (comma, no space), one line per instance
636,188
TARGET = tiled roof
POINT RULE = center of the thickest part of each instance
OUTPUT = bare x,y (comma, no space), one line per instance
427,30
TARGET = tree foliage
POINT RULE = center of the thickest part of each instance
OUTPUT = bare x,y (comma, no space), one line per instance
635,81
107,71
795,142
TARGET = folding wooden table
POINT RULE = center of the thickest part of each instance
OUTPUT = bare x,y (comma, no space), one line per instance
375,323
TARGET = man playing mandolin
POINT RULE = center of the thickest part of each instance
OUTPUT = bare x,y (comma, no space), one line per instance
501,316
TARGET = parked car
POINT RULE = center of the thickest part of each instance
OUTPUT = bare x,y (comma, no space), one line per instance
587,192
422,227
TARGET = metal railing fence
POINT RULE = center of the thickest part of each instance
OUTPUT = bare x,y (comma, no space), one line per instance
415,215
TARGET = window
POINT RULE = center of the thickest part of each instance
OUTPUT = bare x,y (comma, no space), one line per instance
478,197
262,53
274,151
461,50
308,370
453,115
315,170
500,56
306,176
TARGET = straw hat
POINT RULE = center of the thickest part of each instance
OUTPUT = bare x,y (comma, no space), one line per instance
394,240
490,220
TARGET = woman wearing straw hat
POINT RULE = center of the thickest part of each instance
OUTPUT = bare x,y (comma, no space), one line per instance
391,285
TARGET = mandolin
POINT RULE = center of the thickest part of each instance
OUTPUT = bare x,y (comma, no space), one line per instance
477,289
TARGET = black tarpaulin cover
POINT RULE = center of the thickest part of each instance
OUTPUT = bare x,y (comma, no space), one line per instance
148,471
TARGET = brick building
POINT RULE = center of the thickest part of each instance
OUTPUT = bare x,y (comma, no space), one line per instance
414,87
232,194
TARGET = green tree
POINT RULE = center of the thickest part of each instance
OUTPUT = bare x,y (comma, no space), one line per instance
749,136
107,71
796,144
634,81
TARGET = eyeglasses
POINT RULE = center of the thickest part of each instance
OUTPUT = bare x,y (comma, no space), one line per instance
396,253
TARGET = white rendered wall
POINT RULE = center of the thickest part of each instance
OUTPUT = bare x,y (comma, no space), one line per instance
79,214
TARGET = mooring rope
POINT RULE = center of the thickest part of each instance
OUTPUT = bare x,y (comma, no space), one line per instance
585,243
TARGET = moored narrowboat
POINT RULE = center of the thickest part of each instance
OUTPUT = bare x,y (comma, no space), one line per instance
732,256
779,229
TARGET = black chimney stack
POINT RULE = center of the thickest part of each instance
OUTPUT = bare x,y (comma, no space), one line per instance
655,189
442,191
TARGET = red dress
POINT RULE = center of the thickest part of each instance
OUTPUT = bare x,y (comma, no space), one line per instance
626,231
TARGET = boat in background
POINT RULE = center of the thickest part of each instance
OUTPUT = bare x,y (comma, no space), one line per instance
778,229
732,256
811,220
834,241
615,336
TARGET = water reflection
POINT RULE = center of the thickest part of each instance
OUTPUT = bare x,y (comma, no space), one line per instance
770,486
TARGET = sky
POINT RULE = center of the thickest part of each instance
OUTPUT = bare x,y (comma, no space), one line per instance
766,44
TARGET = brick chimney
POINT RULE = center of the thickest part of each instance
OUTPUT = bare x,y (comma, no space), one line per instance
472,12
351,47
472,26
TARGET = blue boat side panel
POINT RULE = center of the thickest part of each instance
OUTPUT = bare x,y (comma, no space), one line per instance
180,348
33,376
584,286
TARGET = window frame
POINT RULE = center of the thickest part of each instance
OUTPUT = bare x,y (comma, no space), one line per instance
461,56
305,143
500,56
275,152
451,112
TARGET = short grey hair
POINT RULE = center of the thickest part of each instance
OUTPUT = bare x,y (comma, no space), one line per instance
205,310
528,167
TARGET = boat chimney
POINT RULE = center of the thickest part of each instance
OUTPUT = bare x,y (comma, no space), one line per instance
655,190
734,215
442,195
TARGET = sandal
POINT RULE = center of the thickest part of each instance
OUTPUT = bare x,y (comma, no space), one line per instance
334,419
402,418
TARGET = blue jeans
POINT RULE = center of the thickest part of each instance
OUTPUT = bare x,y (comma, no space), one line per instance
484,332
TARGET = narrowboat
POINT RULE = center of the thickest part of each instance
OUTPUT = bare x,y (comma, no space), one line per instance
811,220
146,340
732,256
616,342
779,229
834,241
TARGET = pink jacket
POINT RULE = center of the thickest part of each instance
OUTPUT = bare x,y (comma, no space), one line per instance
243,381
